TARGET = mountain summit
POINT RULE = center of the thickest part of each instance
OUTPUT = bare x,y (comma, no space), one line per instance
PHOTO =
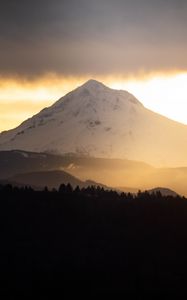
94,120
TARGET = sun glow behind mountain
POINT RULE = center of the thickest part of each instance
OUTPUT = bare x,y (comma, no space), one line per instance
165,94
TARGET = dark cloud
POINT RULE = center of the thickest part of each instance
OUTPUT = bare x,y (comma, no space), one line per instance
78,37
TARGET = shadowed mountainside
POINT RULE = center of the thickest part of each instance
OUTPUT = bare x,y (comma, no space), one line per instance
50,179
120,174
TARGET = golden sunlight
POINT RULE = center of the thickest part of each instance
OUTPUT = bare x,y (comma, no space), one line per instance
20,99
166,95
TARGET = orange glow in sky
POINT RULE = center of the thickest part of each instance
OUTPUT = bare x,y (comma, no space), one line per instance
166,95
19,100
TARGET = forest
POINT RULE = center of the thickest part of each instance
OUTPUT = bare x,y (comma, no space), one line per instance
92,242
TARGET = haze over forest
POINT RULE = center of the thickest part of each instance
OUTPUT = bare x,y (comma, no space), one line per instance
93,148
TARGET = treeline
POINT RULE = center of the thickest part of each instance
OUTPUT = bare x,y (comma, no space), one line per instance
92,241
92,190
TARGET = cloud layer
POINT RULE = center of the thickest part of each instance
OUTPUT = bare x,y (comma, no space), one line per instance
80,37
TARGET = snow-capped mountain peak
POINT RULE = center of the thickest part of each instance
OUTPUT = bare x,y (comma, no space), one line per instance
93,84
94,91
98,121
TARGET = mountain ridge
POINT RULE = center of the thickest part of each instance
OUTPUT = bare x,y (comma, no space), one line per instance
124,175
50,179
97,121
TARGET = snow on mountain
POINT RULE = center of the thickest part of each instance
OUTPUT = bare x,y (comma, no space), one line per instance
98,121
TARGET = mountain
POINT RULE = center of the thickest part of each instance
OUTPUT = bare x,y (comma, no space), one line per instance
124,175
18,161
38,170
163,191
51,179
94,120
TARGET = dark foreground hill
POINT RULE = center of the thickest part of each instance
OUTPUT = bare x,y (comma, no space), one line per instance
92,242
49,179
117,173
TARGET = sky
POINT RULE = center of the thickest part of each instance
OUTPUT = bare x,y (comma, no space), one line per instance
47,48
